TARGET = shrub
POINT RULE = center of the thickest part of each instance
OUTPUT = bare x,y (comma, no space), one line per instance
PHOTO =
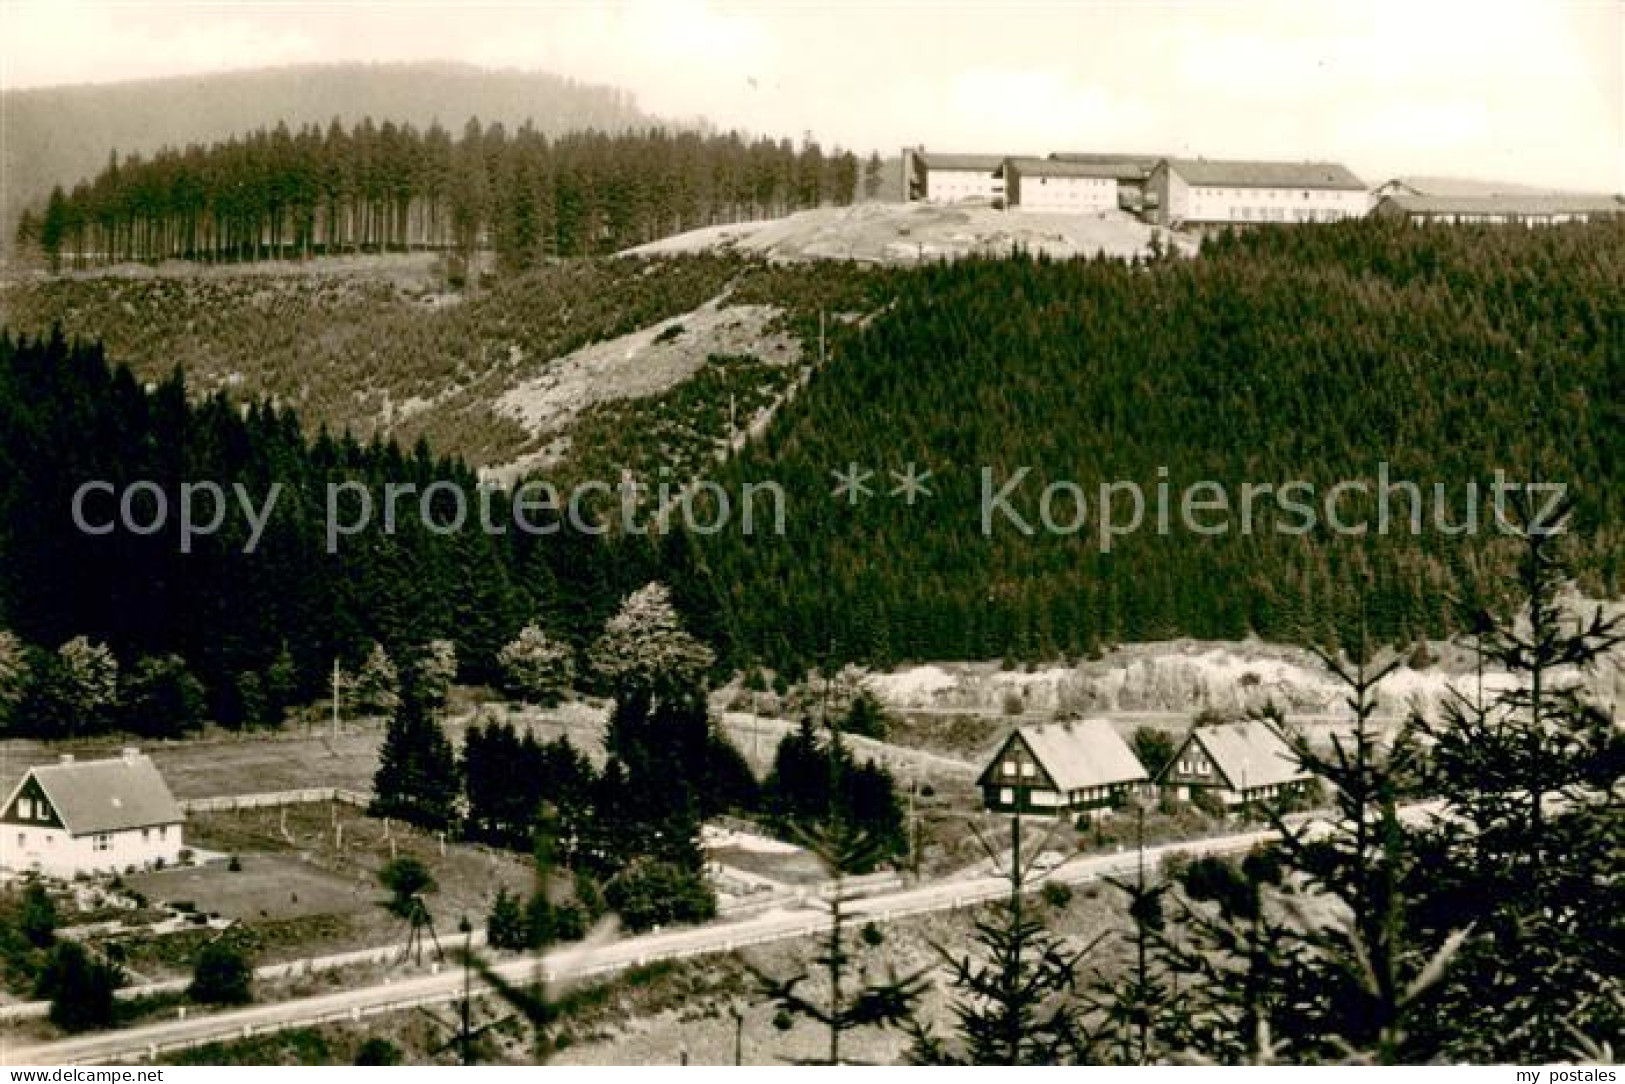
222,976
506,928
1056,895
867,716
570,922
79,988
38,920
378,1052
1207,802
651,893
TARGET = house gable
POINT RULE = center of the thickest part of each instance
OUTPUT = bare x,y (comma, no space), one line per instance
1010,767
96,797
29,806
1194,765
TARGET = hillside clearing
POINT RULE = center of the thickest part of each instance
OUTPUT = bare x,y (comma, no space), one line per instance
910,233
638,365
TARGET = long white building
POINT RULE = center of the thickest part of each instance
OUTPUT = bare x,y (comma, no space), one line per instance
1197,191
91,816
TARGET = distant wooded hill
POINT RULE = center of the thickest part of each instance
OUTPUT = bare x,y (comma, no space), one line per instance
59,135
280,193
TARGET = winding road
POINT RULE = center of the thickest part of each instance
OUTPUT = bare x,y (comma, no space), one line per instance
576,963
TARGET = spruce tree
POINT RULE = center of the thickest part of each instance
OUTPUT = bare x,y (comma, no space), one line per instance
1017,1000
1527,850
842,1006
417,779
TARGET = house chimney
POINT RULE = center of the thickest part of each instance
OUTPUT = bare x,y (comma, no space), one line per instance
130,754
65,758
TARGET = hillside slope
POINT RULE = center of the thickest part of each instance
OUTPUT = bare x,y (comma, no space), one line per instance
1315,356
581,368
899,233
1303,358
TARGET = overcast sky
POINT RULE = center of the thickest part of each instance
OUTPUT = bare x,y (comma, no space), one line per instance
1531,91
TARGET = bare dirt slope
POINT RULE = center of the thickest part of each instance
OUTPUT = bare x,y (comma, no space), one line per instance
644,363
908,233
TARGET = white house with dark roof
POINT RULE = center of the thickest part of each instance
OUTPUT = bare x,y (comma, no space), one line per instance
1130,171
1080,767
90,816
1239,762
935,177
1197,191
1065,187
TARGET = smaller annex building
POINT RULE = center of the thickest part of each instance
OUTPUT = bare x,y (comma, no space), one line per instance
1081,767
1238,763
935,177
1067,187
90,816
1521,210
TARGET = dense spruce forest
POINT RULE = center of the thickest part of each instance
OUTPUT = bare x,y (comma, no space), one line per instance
283,613
55,135
1312,354
280,193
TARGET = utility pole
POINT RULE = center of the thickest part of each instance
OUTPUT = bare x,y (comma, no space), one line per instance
913,826
335,698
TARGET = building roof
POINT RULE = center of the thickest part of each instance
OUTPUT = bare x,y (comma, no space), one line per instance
1416,185
1084,753
1052,167
1210,173
1249,753
937,160
1508,204
114,795
1124,167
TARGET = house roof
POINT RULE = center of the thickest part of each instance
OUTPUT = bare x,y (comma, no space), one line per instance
936,160
1239,174
1508,204
107,795
1124,167
1249,753
1085,753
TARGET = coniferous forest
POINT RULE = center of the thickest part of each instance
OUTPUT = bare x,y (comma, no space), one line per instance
280,194
284,612
1314,354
